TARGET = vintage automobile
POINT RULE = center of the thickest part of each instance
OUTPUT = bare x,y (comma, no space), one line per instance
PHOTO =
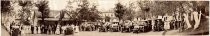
127,27
142,26
98,25
69,30
114,27
136,28
159,25
87,26
82,27
104,27
148,26
93,25
15,31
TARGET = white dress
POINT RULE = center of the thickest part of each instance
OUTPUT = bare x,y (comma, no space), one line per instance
187,21
35,31
77,29
167,25
23,31
196,18
57,30
39,30
63,28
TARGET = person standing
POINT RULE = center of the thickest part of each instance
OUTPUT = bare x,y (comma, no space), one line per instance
186,20
63,29
53,29
10,28
32,29
23,30
42,28
60,29
39,29
57,29
167,22
196,18
176,20
45,29
49,29
77,28
35,30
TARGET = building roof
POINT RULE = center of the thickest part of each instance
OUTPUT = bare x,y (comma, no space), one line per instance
53,14
54,19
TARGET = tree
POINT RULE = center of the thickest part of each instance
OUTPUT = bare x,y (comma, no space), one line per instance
94,13
84,12
129,13
25,11
119,11
6,11
6,6
44,9
88,13
73,14
166,7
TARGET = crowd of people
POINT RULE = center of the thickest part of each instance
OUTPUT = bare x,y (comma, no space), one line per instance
184,21
43,29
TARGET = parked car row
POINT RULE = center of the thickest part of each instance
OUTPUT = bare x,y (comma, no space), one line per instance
141,26
127,26
69,30
89,26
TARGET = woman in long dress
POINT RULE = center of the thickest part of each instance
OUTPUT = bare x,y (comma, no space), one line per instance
167,25
76,29
35,31
57,30
196,17
186,20
39,29
167,22
63,28
22,30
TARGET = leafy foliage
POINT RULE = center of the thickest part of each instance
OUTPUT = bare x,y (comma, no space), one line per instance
88,13
119,10
25,11
6,6
44,9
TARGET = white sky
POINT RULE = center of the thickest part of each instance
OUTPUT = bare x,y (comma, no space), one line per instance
57,4
103,5
106,5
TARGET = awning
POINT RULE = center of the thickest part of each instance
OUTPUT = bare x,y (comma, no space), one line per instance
54,19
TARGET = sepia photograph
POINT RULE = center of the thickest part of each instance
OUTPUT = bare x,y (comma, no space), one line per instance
104,18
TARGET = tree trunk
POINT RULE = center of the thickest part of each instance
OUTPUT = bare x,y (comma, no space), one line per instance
43,19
